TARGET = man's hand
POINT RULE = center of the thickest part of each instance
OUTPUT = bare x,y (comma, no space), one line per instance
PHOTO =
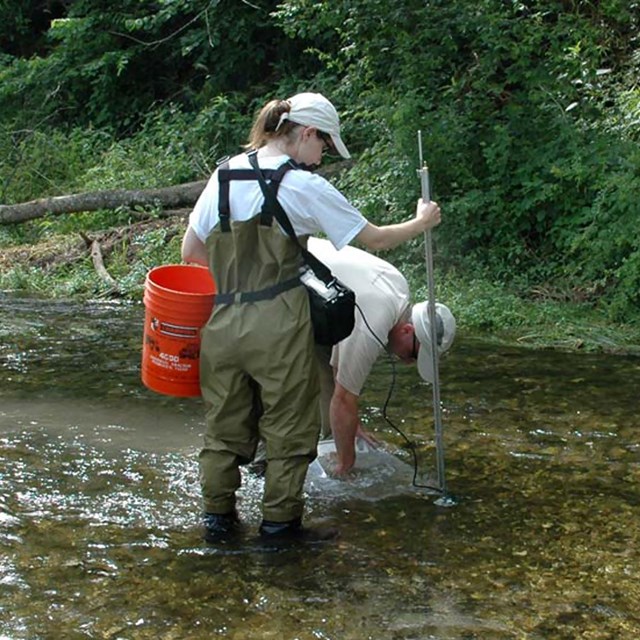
342,466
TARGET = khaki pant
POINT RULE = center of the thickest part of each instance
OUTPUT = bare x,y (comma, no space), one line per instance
325,373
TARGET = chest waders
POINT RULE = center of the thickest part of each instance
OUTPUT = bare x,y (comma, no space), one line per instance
257,368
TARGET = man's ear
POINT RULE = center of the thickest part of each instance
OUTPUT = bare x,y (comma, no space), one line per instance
406,328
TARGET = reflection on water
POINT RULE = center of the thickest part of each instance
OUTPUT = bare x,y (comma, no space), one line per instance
99,502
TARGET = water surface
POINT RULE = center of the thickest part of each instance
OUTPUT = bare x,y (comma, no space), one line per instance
99,501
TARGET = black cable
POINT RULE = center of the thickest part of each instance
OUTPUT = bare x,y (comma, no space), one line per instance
410,444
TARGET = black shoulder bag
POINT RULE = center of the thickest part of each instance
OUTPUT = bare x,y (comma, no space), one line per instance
331,303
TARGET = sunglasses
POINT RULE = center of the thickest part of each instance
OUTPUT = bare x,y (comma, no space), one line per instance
326,139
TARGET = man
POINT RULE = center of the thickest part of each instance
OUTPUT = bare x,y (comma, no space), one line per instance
384,320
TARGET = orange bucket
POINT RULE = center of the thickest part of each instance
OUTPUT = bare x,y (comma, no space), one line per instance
178,301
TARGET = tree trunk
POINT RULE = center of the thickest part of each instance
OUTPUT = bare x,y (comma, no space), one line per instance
176,197
181,195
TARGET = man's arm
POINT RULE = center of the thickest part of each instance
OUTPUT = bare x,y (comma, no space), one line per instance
344,425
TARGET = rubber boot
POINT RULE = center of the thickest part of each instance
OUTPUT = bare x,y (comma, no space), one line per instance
220,528
292,532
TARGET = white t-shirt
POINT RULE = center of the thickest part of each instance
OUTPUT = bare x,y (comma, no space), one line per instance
382,293
312,204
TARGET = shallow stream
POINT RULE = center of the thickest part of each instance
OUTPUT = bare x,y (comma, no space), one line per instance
99,501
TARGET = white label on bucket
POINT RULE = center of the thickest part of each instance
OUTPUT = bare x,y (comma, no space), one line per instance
175,330
168,361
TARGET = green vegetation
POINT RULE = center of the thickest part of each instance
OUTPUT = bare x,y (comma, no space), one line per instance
530,113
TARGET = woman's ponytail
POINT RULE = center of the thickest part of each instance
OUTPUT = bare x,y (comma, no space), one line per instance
269,124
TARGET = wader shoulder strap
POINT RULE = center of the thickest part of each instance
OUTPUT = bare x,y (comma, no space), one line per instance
266,215
225,175
320,269
223,196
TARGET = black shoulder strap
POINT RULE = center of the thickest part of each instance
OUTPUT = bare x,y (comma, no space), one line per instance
225,175
223,196
321,270
266,215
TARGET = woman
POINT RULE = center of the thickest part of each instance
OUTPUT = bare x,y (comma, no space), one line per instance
258,372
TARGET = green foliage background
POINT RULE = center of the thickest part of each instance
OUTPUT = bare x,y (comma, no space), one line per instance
530,114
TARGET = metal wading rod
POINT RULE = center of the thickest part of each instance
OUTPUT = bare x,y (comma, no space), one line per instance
423,173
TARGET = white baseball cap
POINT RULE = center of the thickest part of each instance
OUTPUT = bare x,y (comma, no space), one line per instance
445,331
314,110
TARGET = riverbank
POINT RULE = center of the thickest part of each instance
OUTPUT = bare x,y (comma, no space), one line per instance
113,263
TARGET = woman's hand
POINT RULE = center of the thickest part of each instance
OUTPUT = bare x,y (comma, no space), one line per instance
428,213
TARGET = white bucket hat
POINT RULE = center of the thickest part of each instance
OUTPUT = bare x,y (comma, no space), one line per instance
445,330
314,110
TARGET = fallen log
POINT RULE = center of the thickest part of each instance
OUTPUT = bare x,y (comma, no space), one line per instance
181,195
172,198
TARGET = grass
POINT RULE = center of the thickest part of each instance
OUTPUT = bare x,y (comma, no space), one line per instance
58,265
493,310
